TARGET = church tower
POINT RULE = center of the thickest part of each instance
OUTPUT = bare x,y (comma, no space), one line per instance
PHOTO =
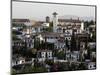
47,19
55,22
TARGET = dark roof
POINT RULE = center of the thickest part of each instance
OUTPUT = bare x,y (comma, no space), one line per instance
50,34
70,20
82,35
47,16
44,50
61,39
38,24
20,20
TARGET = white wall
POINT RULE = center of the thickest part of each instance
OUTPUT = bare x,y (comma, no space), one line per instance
53,40
82,26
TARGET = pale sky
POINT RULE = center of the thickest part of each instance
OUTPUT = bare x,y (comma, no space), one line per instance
31,10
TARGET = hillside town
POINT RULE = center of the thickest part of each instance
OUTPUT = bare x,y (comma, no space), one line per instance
53,45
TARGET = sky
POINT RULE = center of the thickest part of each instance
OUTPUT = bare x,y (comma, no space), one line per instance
38,11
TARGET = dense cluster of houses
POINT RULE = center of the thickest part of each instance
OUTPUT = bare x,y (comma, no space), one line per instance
66,35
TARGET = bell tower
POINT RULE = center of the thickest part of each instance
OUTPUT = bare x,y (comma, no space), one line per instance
55,22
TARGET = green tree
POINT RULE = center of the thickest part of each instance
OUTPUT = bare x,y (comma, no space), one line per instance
39,69
13,72
49,62
82,66
60,55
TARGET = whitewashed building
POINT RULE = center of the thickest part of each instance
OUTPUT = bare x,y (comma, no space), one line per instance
42,55
91,65
72,56
18,61
67,25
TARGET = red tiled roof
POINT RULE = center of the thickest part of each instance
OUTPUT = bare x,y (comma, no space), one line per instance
69,20
20,20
